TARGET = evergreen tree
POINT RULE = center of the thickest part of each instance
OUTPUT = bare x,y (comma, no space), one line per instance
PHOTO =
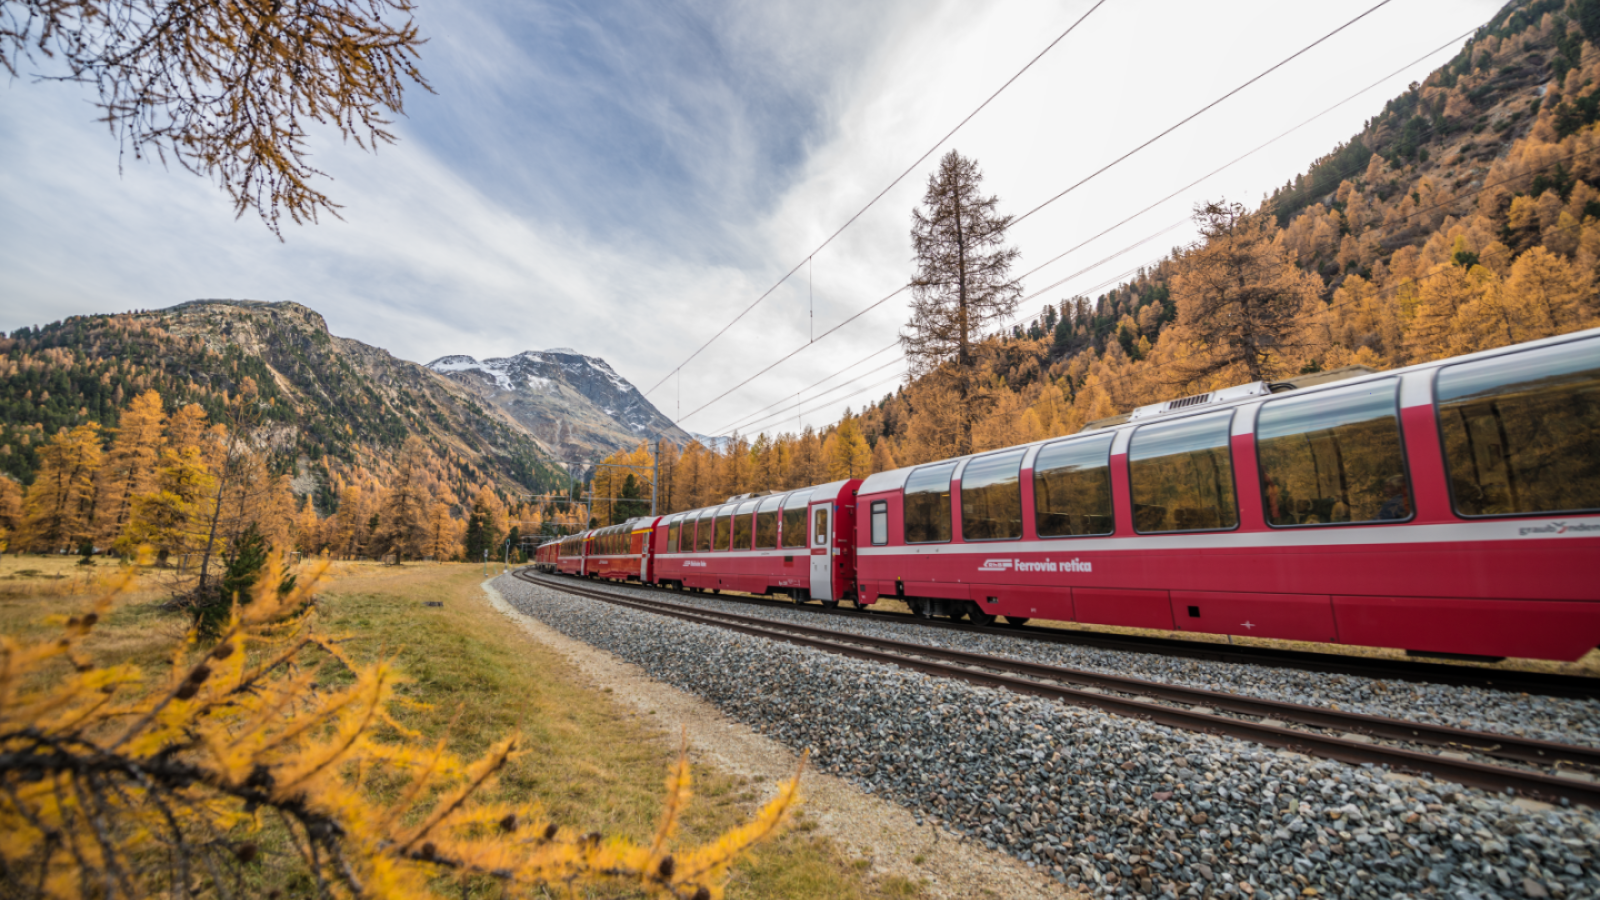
631,504
963,281
478,538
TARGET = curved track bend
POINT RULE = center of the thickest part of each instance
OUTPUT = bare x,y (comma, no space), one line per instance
1348,737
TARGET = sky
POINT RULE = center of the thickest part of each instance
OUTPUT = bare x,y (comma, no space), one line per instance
627,177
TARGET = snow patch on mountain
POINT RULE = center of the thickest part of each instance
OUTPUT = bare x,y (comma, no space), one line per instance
577,405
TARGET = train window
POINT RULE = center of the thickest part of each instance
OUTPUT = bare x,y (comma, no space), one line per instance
926,507
880,522
819,527
744,526
794,519
1072,488
767,523
672,536
1182,476
991,498
1519,431
1333,458
724,528
702,541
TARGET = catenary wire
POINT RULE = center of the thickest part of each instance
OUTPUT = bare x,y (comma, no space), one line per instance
1130,153
880,195
1455,199
789,398
1452,200
1192,116
773,418
1245,156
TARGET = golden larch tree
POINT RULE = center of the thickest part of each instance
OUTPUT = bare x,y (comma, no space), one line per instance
130,465
59,509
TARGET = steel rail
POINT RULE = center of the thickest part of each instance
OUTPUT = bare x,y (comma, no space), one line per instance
1021,677
1548,684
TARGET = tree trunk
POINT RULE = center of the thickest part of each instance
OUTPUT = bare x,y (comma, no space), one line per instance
964,356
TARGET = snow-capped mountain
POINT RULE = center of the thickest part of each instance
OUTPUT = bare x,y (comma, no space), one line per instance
577,406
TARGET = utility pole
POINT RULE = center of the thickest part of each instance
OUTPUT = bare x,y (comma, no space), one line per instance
508,557
655,476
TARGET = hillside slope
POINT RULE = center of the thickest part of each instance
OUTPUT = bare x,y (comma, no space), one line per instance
341,403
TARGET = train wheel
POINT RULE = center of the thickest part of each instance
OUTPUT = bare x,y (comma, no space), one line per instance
956,615
1016,621
919,608
830,604
978,616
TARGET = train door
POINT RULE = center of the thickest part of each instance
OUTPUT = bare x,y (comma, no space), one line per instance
822,552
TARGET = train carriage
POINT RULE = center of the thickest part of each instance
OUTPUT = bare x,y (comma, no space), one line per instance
1449,508
798,543
570,554
621,552
546,556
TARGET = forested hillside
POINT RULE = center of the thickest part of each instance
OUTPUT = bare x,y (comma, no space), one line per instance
1465,215
336,406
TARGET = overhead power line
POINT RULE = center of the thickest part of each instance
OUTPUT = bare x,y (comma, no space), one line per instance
746,423
1239,159
791,354
784,401
880,195
1202,110
1184,248
772,418
1103,169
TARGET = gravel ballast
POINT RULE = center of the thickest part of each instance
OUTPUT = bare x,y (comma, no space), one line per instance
1114,805
1567,720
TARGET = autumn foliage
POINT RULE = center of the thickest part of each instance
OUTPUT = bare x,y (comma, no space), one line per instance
121,783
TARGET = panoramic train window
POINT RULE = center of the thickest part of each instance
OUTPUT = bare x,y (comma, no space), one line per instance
1182,476
724,527
926,506
794,519
880,522
743,526
1519,431
1333,458
672,535
767,523
702,541
1072,488
991,497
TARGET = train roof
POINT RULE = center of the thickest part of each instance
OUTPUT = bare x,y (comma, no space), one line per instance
1228,398
831,489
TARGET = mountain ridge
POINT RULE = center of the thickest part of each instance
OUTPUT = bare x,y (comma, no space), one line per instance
575,405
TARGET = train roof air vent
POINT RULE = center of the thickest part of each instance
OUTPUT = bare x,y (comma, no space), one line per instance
1187,402
1210,398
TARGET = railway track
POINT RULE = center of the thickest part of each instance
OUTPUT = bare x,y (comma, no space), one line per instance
1348,737
1545,683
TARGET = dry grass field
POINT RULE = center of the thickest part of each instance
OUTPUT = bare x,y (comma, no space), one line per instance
592,764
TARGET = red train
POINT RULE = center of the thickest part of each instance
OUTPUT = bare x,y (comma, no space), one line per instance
1448,508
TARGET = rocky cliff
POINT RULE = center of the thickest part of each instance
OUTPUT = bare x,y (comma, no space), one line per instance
577,406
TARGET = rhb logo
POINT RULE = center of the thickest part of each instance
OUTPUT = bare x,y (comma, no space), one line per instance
1047,565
